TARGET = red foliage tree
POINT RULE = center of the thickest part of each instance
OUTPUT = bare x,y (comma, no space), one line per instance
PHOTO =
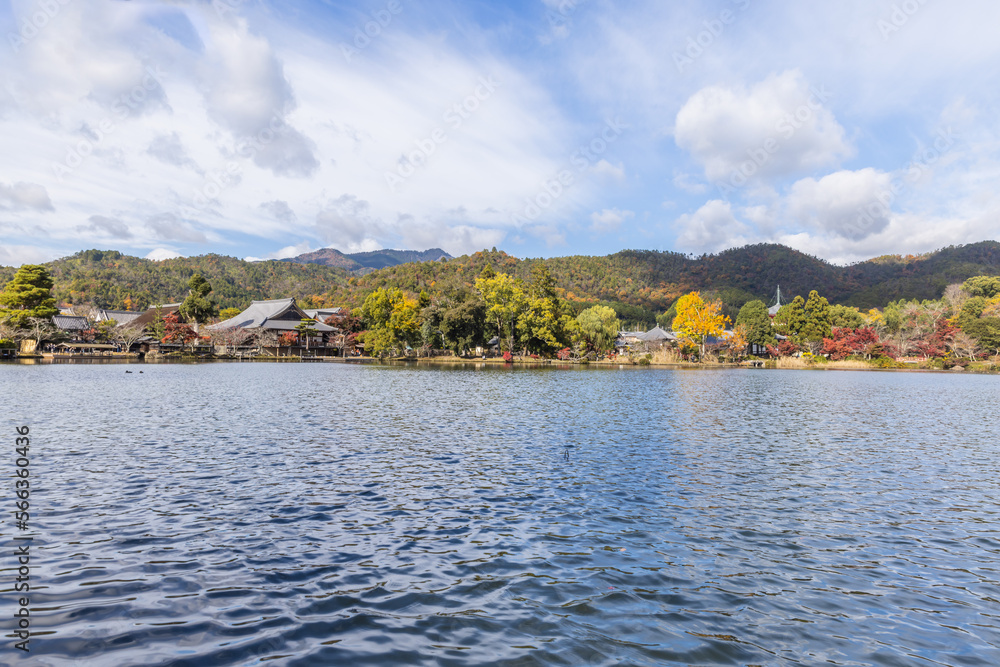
175,331
785,348
345,322
935,343
847,342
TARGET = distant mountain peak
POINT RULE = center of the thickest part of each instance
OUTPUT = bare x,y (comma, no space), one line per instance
368,261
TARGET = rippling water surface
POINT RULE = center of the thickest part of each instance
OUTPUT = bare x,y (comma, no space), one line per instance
310,514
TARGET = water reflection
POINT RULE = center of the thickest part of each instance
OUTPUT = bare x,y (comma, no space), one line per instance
341,514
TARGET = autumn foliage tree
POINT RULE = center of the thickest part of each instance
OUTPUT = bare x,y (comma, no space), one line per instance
785,348
696,320
598,328
176,332
544,325
739,341
393,321
844,342
505,301
348,327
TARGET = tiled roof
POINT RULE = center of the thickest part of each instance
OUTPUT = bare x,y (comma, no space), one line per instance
262,314
321,314
70,322
147,317
655,334
119,316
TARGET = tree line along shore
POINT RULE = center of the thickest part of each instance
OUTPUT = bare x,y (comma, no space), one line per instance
504,316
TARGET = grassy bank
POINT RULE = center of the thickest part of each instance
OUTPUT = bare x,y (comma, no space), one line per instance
670,359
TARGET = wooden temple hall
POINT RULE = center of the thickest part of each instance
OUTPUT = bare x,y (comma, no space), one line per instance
281,316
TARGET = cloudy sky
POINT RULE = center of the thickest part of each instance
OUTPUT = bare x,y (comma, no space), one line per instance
261,129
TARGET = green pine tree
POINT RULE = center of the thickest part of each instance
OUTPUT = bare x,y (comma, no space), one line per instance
816,325
197,307
790,318
753,315
28,295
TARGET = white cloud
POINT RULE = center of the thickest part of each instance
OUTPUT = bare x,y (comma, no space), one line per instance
16,255
279,210
851,204
169,227
776,128
160,254
286,252
203,158
347,222
711,228
219,82
25,196
106,227
552,235
684,182
608,220
246,91
86,51
605,168
167,148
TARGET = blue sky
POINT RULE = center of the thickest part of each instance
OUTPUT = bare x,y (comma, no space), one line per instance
542,127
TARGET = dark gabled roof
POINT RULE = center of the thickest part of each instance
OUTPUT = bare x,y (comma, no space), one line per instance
320,314
147,318
289,325
264,314
715,340
119,316
655,335
70,322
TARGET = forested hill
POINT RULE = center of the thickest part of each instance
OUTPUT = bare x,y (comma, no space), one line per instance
646,280
109,279
653,280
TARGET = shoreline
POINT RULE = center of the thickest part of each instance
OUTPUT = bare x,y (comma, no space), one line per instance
979,368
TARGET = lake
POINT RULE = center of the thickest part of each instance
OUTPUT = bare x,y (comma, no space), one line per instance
308,514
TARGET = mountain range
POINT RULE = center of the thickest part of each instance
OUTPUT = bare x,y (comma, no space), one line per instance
639,284
363,262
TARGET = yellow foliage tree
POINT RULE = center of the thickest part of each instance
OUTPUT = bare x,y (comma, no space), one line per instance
697,320
738,342
873,318
392,318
